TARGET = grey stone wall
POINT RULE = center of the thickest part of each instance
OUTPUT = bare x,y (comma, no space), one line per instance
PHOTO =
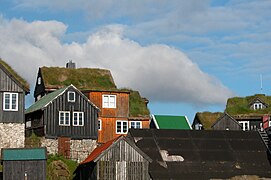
11,135
79,149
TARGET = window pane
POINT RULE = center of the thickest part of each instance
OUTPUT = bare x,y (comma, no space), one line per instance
67,118
61,118
80,119
125,127
7,99
119,127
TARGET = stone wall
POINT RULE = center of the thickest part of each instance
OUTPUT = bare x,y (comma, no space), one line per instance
11,135
79,149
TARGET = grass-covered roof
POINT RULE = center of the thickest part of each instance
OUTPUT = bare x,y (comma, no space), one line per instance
241,105
207,119
23,82
82,78
137,105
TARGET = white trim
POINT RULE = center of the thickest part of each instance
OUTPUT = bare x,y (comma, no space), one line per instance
100,122
188,122
69,93
10,101
121,128
140,124
269,122
242,125
78,113
109,103
155,122
64,123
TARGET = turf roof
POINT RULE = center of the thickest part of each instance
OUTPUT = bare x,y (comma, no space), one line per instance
240,105
82,78
207,119
137,106
15,75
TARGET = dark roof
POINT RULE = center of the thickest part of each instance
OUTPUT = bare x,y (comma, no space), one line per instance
101,150
207,119
23,154
240,106
45,100
171,122
17,78
202,154
82,78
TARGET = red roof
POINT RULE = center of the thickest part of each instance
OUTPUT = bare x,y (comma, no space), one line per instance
97,151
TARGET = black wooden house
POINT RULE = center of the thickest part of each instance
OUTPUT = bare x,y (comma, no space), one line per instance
13,89
63,115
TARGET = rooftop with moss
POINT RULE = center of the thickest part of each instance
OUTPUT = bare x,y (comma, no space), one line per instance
241,105
15,75
207,119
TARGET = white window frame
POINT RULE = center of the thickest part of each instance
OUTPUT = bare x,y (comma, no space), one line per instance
257,105
121,127
100,124
39,80
269,122
10,101
135,124
71,100
109,101
78,119
243,125
64,121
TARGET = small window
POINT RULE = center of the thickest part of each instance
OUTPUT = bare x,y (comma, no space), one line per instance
71,96
78,118
109,101
245,125
64,118
28,124
39,80
10,101
269,123
121,127
136,124
257,106
99,125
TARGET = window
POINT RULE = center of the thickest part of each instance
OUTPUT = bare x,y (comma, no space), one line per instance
78,118
136,124
71,96
257,106
99,124
121,127
245,125
269,123
109,101
64,118
10,101
28,124
39,80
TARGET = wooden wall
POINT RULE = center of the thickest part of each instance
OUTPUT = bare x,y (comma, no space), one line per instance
14,170
226,123
9,85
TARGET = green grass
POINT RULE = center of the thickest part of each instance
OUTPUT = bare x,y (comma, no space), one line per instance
71,165
19,78
239,105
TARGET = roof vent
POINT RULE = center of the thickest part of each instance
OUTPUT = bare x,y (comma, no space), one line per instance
70,65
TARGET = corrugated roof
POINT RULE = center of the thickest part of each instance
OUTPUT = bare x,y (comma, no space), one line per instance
96,152
171,122
44,101
82,78
14,75
203,154
21,154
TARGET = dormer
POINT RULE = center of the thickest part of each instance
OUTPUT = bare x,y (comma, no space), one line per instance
257,104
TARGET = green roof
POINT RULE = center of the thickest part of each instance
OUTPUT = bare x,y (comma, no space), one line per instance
82,78
137,105
171,122
24,154
15,75
241,105
207,119
44,101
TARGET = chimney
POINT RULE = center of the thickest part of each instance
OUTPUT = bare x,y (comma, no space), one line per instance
70,65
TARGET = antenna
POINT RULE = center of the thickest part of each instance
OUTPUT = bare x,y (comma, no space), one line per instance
261,77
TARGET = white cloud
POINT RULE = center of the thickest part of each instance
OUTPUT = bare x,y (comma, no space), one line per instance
159,72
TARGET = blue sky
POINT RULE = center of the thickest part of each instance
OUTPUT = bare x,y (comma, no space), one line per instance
184,56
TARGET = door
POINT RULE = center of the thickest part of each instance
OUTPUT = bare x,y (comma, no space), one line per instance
64,146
